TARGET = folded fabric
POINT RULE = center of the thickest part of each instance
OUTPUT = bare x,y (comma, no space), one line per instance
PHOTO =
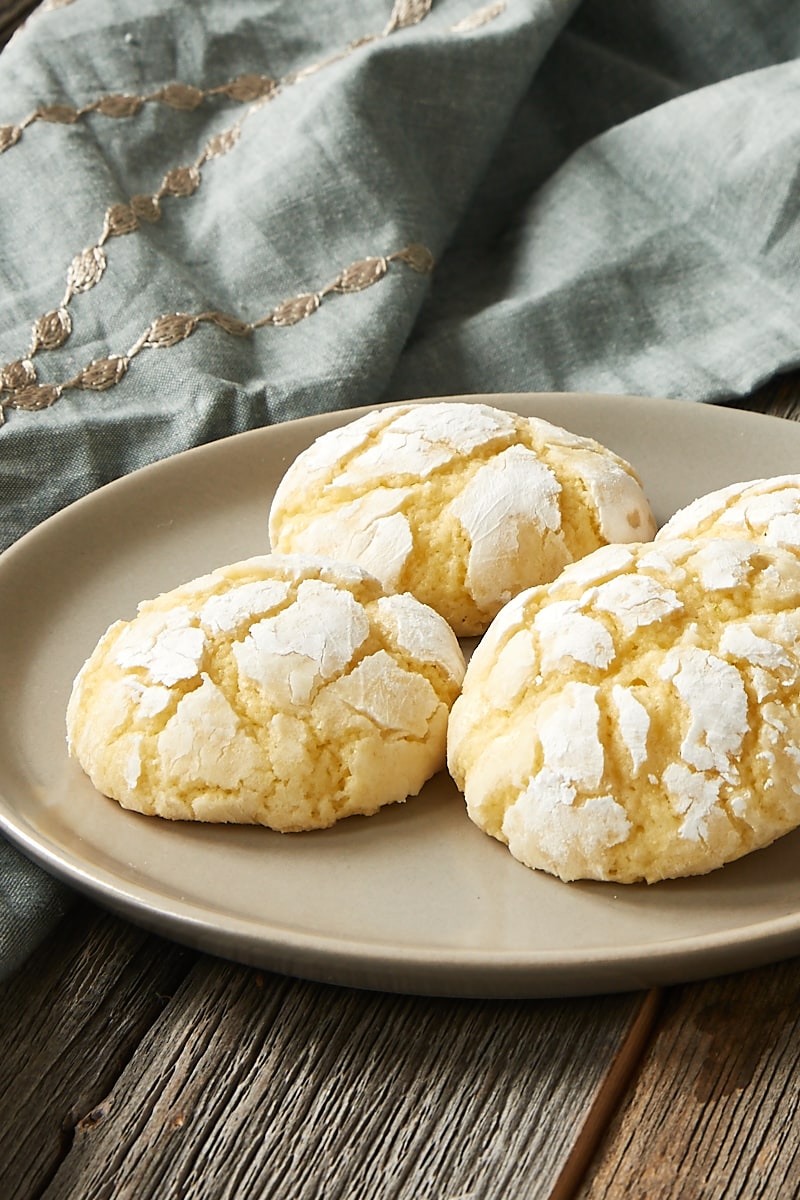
219,216
30,904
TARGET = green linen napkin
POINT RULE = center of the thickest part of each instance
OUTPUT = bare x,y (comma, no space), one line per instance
225,214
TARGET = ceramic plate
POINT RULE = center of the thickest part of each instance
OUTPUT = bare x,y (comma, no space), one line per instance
415,898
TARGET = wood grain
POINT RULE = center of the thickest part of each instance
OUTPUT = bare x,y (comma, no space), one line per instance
254,1085
71,1019
778,397
715,1111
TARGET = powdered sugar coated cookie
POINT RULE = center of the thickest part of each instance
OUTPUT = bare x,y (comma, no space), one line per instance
462,504
760,510
639,718
285,691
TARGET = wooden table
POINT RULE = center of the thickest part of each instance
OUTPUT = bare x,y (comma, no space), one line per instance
134,1068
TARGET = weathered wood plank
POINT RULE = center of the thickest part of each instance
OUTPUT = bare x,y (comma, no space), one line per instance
715,1110
778,397
258,1086
70,1019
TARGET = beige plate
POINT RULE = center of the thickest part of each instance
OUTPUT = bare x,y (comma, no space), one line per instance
414,899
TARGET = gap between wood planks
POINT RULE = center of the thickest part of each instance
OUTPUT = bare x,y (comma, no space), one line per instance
628,1059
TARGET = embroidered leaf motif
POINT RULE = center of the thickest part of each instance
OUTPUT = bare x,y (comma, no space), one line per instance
9,136
86,269
360,275
35,397
170,329
51,330
180,181
119,106
230,324
221,143
102,373
59,114
18,378
247,88
408,12
181,96
145,208
418,257
120,219
17,375
482,17
294,310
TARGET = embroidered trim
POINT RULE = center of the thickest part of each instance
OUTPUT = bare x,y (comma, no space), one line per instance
243,89
407,12
482,17
185,97
171,328
52,329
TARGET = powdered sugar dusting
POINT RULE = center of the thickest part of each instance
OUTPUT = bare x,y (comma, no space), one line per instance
723,564
600,564
633,722
564,632
203,741
714,694
306,644
421,633
635,600
227,611
168,645
545,827
370,530
622,510
739,641
568,729
695,796
421,440
391,697
512,490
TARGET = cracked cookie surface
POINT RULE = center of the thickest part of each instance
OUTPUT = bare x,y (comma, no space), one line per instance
761,510
464,505
638,718
285,691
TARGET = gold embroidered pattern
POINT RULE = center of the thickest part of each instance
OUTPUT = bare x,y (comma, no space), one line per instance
244,89
169,329
407,12
52,329
482,17
185,97
122,219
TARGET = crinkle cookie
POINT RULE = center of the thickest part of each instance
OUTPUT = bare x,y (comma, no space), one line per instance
281,691
461,504
639,718
763,510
